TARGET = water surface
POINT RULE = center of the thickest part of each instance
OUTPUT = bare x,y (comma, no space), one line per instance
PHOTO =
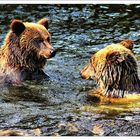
60,106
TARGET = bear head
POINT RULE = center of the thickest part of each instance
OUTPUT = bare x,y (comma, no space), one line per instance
114,68
89,71
29,44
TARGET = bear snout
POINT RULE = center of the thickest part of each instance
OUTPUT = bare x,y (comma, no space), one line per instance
87,72
47,53
53,53
83,75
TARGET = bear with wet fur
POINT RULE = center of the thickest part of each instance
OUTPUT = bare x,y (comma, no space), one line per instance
114,68
24,51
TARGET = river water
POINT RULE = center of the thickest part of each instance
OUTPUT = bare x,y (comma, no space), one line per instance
60,106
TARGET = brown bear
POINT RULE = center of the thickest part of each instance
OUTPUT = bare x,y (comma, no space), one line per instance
115,70
24,51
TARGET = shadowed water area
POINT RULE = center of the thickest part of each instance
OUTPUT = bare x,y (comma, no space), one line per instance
60,106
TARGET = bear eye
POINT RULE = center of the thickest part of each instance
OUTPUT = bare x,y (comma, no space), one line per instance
48,39
90,60
39,40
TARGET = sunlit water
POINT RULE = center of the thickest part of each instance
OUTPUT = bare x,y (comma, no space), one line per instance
77,32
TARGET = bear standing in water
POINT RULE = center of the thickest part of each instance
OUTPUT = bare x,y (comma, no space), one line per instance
24,51
115,70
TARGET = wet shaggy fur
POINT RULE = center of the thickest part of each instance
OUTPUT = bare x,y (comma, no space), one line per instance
115,70
24,51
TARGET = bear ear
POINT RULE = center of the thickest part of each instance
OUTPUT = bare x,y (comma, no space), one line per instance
44,22
127,43
17,27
